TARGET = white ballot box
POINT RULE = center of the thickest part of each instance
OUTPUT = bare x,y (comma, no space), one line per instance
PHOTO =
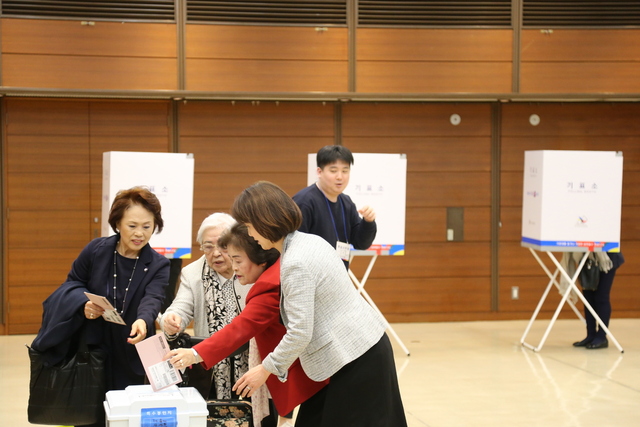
140,406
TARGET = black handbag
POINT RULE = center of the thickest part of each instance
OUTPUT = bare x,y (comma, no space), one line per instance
590,274
223,412
196,376
227,413
71,392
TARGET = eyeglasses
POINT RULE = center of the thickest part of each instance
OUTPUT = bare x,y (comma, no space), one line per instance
208,248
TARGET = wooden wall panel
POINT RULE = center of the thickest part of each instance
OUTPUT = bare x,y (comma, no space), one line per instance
477,152
434,60
47,201
434,77
579,77
430,224
48,154
70,37
410,44
572,120
88,72
403,120
222,157
44,230
266,59
580,61
423,297
261,119
25,313
47,191
224,75
459,189
106,55
266,42
69,118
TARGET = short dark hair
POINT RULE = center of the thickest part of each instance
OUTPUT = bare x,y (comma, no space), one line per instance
140,196
332,153
238,236
268,209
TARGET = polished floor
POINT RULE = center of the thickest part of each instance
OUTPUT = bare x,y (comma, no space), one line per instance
468,374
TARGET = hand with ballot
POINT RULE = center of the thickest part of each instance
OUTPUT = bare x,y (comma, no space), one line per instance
92,310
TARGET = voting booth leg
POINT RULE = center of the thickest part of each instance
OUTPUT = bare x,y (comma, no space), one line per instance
565,296
360,285
553,281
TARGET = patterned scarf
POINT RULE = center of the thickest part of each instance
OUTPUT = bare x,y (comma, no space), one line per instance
222,307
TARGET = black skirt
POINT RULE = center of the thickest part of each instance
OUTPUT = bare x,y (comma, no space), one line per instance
364,393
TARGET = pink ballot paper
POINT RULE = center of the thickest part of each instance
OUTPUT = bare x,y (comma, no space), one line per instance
161,373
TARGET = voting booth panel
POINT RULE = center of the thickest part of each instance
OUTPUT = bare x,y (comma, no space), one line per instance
571,202
170,177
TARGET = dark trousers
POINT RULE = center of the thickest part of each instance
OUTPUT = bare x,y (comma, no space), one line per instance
601,303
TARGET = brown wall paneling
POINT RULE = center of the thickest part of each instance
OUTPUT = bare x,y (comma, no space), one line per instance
434,60
560,120
237,144
25,307
266,59
564,127
46,117
422,299
429,224
47,201
580,61
377,121
106,55
448,166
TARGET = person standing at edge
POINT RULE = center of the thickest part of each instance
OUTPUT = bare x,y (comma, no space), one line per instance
329,213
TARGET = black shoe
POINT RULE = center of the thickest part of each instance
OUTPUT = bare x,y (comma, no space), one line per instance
584,343
599,344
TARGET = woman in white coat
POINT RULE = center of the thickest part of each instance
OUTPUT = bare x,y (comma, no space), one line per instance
210,296
330,327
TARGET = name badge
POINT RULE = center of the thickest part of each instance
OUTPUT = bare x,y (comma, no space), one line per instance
343,250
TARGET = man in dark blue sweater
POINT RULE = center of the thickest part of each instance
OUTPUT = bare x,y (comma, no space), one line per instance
329,213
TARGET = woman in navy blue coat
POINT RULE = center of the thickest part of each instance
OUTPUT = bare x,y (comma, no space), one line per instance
129,273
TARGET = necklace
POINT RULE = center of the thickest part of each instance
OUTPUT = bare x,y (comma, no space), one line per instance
115,277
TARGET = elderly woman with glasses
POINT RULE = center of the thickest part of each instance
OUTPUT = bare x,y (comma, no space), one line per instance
210,296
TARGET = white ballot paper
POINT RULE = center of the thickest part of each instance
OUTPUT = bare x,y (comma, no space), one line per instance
161,373
110,314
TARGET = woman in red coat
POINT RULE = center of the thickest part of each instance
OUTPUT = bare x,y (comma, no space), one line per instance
260,319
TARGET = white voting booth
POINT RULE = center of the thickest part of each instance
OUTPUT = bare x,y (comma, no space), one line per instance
571,203
378,180
170,177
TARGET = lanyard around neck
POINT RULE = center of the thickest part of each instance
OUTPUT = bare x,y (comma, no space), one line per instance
333,221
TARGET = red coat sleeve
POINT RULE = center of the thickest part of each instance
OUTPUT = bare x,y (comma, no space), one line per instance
261,310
